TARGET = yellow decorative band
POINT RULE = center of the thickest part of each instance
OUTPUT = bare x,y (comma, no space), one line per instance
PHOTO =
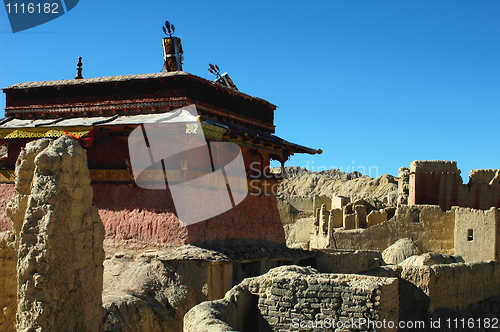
42,132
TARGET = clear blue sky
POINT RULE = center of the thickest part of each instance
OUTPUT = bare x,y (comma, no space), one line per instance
372,83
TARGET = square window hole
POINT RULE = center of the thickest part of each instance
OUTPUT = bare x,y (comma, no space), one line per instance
470,235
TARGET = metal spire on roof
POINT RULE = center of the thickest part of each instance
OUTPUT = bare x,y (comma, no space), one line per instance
172,49
79,69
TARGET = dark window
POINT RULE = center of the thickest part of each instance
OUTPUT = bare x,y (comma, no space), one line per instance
470,234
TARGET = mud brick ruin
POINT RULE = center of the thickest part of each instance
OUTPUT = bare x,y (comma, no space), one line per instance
456,226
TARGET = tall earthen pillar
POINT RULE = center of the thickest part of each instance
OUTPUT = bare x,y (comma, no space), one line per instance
60,239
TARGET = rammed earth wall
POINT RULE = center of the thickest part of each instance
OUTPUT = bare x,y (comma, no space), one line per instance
427,225
8,282
454,285
6,193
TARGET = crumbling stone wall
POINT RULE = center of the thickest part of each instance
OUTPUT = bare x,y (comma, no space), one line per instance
291,295
298,219
59,236
434,182
229,314
321,200
376,217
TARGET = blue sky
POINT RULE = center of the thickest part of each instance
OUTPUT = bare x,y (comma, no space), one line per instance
374,84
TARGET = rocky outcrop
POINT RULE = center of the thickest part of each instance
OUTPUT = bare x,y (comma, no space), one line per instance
60,239
399,251
379,192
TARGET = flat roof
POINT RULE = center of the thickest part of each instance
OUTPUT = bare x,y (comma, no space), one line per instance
126,78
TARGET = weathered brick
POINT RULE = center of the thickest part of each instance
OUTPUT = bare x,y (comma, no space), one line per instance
281,292
285,304
325,294
308,311
280,281
335,305
272,313
327,312
315,287
307,316
273,320
275,297
361,292
301,305
359,298
352,309
269,302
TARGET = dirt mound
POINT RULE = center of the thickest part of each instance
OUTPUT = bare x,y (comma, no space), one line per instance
400,250
431,258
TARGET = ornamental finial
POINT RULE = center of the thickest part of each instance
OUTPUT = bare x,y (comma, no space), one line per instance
79,69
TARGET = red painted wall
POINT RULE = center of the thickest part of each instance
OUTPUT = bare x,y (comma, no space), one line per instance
446,190
255,218
435,189
136,216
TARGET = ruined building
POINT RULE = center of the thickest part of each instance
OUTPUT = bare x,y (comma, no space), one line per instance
432,259
434,208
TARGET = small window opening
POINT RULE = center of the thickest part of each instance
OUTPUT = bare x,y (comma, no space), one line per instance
470,234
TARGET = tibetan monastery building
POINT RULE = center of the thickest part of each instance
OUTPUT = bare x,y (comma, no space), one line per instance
102,112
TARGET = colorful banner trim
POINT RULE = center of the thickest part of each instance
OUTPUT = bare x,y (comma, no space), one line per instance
33,132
